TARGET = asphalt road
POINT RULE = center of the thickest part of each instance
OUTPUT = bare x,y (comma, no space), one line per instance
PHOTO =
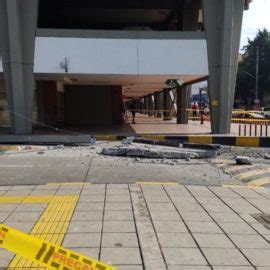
85,164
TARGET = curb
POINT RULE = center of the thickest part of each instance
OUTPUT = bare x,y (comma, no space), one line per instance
240,141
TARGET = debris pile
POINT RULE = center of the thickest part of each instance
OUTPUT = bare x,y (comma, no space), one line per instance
242,160
128,149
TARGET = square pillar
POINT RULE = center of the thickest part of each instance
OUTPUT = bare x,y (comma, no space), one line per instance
167,105
222,22
146,104
150,105
183,99
18,22
158,103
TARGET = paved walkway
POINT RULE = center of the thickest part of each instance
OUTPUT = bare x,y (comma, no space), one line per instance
144,226
144,125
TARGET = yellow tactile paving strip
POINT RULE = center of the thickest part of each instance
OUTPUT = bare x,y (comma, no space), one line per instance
52,224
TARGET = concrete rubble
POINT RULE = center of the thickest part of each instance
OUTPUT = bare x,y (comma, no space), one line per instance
242,160
129,149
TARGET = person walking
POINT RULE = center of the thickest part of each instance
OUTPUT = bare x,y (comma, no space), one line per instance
132,108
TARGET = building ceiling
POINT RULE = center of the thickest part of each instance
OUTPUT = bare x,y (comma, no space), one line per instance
109,14
132,86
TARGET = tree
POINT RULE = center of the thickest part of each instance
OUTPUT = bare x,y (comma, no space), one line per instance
245,84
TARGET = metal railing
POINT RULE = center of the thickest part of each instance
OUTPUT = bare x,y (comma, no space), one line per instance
260,130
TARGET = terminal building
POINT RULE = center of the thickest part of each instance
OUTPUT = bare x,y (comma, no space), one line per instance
75,63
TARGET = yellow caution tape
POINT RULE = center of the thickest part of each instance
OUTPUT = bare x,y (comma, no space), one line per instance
46,254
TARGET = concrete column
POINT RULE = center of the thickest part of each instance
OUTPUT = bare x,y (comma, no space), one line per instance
222,21
150,105
146,104
18,22
158,103
183,96
167,104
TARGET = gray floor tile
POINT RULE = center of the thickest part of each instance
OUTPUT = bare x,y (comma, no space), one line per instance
90,207
226,217
5,257
161,207
203,227
213,240
118,215
130,267
185,267
165,216
225,256
176,240
25,226
170,226
82,240
196,216
184,256
121,256
3,216
234,268
87,216
116,206
157,199
118,198
119,240
92,198
84,226
23,216
8,207
250,241
90,252
237,228
118,226
31,207
259,257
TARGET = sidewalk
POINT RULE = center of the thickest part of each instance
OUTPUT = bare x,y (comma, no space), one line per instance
144,226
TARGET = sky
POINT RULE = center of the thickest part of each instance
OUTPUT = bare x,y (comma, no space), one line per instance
257,17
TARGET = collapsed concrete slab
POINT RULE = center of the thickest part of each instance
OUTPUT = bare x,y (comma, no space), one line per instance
137,151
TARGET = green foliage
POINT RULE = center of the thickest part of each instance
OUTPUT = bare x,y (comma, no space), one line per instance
245,85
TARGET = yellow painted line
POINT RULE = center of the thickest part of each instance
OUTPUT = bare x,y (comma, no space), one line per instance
251,173
157,183
12,199
248,141
10,147
259,182
37,199
235,186
154,137
68,184
44,253
25,199
200,139
107,138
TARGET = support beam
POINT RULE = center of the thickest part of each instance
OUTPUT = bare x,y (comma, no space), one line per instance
183,97
222,21
18,23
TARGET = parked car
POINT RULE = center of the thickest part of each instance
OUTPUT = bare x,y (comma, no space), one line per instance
248,115
265,111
